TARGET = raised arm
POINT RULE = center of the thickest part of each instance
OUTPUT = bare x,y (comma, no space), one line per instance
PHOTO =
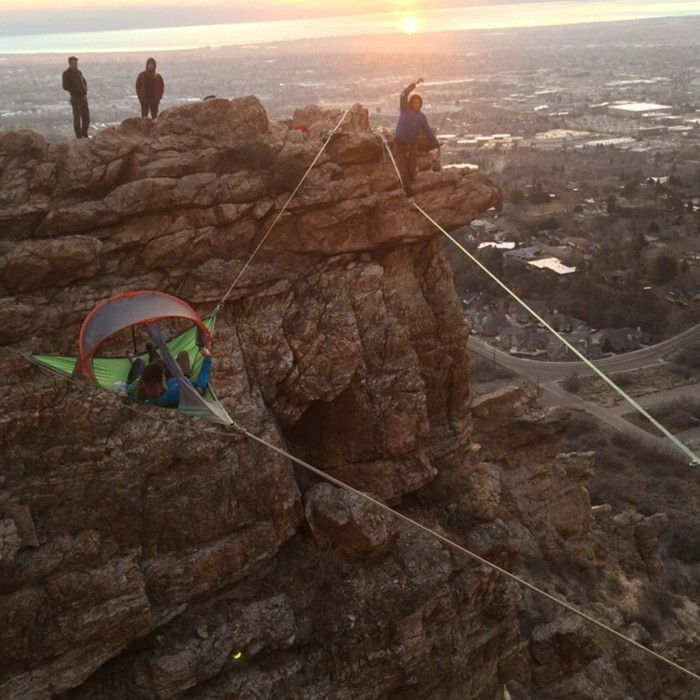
403,100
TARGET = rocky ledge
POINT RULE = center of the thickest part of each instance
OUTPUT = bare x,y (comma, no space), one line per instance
149,556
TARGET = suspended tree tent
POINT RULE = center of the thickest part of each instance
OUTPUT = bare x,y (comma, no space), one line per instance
146,309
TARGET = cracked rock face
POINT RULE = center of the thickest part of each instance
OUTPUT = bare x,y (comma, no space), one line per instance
343,338
145,554
347,521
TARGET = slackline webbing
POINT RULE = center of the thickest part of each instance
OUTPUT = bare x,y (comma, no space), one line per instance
382,506
281,211
638,407
410,521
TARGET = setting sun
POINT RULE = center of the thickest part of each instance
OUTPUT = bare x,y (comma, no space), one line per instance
409,24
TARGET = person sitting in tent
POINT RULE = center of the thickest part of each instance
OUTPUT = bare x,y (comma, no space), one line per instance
153,387
138,365
168,386
411,123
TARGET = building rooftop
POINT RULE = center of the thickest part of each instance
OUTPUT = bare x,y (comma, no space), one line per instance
506,245
526,253
639,107
615,141
553,264
461,166
562,134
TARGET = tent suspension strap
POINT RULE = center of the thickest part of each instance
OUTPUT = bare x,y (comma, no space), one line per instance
382,506
281,211
639,408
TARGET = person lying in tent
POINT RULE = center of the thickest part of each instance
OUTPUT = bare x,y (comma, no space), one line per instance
411,123
153,386
138,365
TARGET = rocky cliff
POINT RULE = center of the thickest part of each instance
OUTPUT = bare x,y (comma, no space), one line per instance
149,556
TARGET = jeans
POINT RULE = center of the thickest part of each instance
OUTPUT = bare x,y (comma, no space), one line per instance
149,106
137,367
81,116
406,159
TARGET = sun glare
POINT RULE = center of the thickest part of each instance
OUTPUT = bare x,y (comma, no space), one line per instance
409,24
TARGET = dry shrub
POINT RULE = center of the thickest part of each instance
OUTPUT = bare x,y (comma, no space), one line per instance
482,370
572,383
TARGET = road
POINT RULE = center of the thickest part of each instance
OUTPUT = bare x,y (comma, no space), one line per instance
538,371
547,375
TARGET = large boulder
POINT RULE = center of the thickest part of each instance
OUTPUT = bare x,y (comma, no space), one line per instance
348,522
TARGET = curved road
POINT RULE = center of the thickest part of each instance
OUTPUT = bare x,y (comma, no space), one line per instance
547,375
540,371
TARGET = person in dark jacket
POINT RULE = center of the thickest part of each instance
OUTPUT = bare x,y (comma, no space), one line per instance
409,127
75,84
149,89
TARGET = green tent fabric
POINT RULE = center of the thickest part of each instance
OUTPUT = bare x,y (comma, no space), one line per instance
108,370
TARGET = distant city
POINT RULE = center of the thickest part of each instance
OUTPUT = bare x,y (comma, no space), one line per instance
593,131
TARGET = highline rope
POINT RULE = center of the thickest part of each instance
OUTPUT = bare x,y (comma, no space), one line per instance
281,211
638,407
382,506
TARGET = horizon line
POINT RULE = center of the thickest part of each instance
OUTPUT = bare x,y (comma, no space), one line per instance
343,22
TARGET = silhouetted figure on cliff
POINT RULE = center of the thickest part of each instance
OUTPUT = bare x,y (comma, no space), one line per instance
149,89
76,85
409,127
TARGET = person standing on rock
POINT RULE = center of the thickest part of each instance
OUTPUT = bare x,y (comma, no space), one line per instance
409,127
149,89
75,84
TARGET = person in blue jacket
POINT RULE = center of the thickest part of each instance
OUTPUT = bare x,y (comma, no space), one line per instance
411,122
152,386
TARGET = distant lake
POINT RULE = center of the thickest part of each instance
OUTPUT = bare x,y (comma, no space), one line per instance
486,17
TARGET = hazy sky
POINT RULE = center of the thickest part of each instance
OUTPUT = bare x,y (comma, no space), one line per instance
43,16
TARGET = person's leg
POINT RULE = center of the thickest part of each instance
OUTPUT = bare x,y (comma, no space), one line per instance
144,109
75,104
183,360
153,355
412,158
85,115
137,367
154,110
204,374
401,153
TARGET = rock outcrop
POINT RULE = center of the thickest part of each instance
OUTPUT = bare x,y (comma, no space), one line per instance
143,554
